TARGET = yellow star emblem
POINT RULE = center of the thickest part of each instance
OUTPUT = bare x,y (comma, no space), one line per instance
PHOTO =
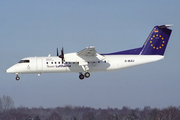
157,37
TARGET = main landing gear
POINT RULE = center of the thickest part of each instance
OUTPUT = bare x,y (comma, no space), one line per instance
81,76
17,77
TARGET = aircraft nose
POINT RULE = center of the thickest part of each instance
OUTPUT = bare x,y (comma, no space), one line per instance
10,70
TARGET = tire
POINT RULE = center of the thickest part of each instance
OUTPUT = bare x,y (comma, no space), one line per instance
87,74
81,76
17,78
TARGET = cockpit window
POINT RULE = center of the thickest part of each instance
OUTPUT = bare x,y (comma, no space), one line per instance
24,61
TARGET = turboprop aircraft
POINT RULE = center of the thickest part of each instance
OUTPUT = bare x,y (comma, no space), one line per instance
88,60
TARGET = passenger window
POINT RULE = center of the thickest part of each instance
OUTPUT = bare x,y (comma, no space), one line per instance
46,62
51,62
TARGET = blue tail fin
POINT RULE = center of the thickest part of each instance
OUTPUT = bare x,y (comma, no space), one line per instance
155,44
157,41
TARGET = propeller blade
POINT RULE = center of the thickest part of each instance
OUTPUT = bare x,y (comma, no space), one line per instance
57,52
62,54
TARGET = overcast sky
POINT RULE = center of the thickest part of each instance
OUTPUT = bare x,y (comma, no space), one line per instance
38,27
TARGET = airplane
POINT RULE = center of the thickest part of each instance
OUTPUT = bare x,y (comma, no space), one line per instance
88,60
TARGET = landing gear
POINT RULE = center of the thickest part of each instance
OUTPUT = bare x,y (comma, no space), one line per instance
87,74
17,77
81,76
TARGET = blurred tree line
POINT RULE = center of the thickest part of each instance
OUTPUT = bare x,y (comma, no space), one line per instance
9,112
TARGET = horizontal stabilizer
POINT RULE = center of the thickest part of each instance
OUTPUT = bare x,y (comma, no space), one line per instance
164,26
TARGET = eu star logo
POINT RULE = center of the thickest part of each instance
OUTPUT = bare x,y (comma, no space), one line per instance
157,38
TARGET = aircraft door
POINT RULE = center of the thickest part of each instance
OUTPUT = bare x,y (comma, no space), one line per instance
39,64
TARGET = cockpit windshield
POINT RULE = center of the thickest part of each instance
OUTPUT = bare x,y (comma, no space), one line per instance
24,61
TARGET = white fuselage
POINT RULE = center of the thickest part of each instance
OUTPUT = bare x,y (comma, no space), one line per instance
55,65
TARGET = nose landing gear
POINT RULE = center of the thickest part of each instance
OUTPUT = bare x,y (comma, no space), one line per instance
17,77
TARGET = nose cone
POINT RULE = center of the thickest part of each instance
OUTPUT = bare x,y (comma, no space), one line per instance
10,70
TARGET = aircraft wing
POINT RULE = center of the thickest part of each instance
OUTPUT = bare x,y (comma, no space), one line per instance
90,54
88,51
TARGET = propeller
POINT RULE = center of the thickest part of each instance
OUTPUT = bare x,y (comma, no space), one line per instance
62,54
57,52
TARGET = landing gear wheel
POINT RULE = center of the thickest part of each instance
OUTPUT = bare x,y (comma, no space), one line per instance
17,77
81,76
87,74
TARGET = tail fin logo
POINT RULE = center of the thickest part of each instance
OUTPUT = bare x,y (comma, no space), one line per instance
157,41
156,38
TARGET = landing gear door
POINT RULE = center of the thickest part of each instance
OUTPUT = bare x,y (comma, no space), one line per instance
39,64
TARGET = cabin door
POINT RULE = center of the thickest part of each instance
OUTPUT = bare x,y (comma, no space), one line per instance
39,64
